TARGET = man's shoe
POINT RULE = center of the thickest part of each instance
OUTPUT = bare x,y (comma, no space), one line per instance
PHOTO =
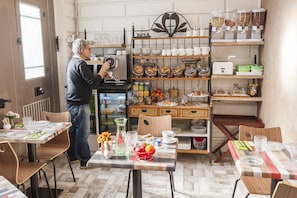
83,165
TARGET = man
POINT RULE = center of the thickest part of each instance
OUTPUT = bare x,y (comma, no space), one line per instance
80,82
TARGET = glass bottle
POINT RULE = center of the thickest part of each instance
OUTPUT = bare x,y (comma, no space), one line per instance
121,137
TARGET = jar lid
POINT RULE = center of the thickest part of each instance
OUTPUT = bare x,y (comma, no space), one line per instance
136,83
146,83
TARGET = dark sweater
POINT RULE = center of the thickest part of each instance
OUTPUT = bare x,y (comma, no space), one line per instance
80,82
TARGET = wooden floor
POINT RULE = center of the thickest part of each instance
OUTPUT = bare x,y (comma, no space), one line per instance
194,177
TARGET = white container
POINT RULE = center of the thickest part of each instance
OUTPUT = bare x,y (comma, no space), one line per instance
198,129
224,68
199,142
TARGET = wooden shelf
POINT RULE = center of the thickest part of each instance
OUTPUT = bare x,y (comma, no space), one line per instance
216,76
108,46
197,57
237,43
190,134
193,151
165,78
170,38
234,98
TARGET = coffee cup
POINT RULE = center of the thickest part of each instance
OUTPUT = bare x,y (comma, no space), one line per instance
174,52
164,52
205,50
110,74
168,136
181,51
189,51
168,52
197,50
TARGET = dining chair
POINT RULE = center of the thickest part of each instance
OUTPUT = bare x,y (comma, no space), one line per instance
57,146
18,172
153,125
257,185
284,190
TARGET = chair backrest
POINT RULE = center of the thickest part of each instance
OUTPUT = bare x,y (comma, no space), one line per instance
272,134
55,117
285,190
63,138
9,163
153,124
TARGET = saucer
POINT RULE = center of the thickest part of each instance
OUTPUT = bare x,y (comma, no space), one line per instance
252,160
169,142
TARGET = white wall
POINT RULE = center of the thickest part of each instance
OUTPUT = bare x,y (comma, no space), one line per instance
279,57
65,21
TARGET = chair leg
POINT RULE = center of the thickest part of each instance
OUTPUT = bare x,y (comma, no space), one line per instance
234,189
48,186
129,176
171,183
55,178
247,195
24,189
70,166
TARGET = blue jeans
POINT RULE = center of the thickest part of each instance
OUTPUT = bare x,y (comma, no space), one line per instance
79,132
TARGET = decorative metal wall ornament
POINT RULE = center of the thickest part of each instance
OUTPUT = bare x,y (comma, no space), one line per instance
170,23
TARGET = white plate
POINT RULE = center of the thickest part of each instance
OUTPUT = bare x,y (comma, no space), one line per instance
275,146
251,160
42,123
164,104
170,142
18,134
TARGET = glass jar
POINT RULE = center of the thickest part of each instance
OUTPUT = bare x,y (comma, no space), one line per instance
146,89
135,88
140,86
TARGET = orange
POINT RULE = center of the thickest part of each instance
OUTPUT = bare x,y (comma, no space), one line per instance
149,148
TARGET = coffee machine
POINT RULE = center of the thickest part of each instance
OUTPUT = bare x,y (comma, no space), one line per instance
119,69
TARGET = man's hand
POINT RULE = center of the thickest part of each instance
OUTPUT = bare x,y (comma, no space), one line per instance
104,68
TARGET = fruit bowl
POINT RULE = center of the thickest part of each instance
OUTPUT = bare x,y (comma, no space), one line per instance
142,154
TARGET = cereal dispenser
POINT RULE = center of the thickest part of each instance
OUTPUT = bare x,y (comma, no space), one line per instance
243,21
217,22
258,21
230,23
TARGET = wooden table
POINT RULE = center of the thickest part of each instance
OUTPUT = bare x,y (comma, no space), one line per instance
276,162
163,160
7,189
18,135
222,121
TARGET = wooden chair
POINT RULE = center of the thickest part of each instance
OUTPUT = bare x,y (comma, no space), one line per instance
57,146
154,125
15,171
257,185
285,190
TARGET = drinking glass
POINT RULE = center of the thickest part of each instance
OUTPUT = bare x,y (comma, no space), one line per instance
260,142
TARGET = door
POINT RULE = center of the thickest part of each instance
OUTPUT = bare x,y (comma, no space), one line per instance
33,48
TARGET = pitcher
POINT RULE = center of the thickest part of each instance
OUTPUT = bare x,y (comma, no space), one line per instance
121,137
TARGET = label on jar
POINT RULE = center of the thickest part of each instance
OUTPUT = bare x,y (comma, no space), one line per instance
135,86
140,87
146,93
140,93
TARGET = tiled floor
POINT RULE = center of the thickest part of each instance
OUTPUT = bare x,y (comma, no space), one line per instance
194,177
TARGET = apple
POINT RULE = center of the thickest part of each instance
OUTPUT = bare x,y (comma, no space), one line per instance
139,149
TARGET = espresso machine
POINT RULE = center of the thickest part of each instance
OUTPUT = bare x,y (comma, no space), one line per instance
119,69
258,21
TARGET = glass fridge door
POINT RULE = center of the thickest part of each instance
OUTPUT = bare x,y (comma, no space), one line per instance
112,105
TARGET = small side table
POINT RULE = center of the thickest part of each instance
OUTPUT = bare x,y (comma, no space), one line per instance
221,121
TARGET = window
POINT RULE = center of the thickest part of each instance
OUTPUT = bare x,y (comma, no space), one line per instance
32,41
